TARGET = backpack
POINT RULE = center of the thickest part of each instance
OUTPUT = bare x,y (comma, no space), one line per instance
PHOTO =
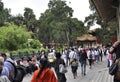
74,64
105,52
62,69
19,72
90,56
117,74
100,52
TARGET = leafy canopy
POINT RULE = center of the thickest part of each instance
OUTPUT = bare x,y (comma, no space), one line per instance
13,37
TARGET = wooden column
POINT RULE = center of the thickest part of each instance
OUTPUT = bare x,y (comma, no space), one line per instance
118,30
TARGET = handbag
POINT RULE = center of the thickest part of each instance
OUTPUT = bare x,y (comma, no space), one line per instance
117,74
74,63
71,60
113,69
62,69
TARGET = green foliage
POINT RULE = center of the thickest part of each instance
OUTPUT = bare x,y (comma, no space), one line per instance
17,20
108,28
13,37
23,52
78,28
57,24
105,34
4,14
30,19
35,44
29,50
90,20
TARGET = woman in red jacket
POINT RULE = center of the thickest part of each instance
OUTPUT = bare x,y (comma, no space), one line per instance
44,74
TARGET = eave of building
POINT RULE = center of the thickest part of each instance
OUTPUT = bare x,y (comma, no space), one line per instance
105,9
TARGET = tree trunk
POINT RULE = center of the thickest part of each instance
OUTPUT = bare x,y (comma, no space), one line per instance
67,37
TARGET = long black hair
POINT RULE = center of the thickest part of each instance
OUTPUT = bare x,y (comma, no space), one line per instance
44,65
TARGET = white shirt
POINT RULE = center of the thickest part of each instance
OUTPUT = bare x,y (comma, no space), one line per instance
88,54
72,55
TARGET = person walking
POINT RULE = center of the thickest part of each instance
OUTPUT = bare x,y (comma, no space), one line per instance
43,54
83,58
51,58
3,77
64,56
73,62
72,55
74,67
96,52
61,76
115,48
90,55
44,74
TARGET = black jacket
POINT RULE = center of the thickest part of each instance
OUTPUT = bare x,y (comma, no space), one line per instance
83,56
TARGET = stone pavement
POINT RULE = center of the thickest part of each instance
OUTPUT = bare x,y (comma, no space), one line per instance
98,73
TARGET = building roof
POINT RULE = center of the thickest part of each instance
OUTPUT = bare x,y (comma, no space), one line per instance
86,37
105,9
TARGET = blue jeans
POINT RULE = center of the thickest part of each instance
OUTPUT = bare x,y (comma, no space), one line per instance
96,58
83,67
108,63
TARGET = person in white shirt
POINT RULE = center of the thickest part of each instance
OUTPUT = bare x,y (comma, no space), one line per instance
74,62
96,55
72,54
90,57
51,58
64,57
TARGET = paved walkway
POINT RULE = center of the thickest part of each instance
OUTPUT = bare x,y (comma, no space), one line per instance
98,73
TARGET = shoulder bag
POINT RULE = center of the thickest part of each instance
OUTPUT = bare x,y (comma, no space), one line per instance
62,68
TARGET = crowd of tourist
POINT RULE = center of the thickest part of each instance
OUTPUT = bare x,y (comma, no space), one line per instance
40,64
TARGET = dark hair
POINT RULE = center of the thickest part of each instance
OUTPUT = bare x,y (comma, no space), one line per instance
58,54
42,51
72,49
3,55
108,45
117,49
44,65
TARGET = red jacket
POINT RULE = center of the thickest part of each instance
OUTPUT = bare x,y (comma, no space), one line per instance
46,76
